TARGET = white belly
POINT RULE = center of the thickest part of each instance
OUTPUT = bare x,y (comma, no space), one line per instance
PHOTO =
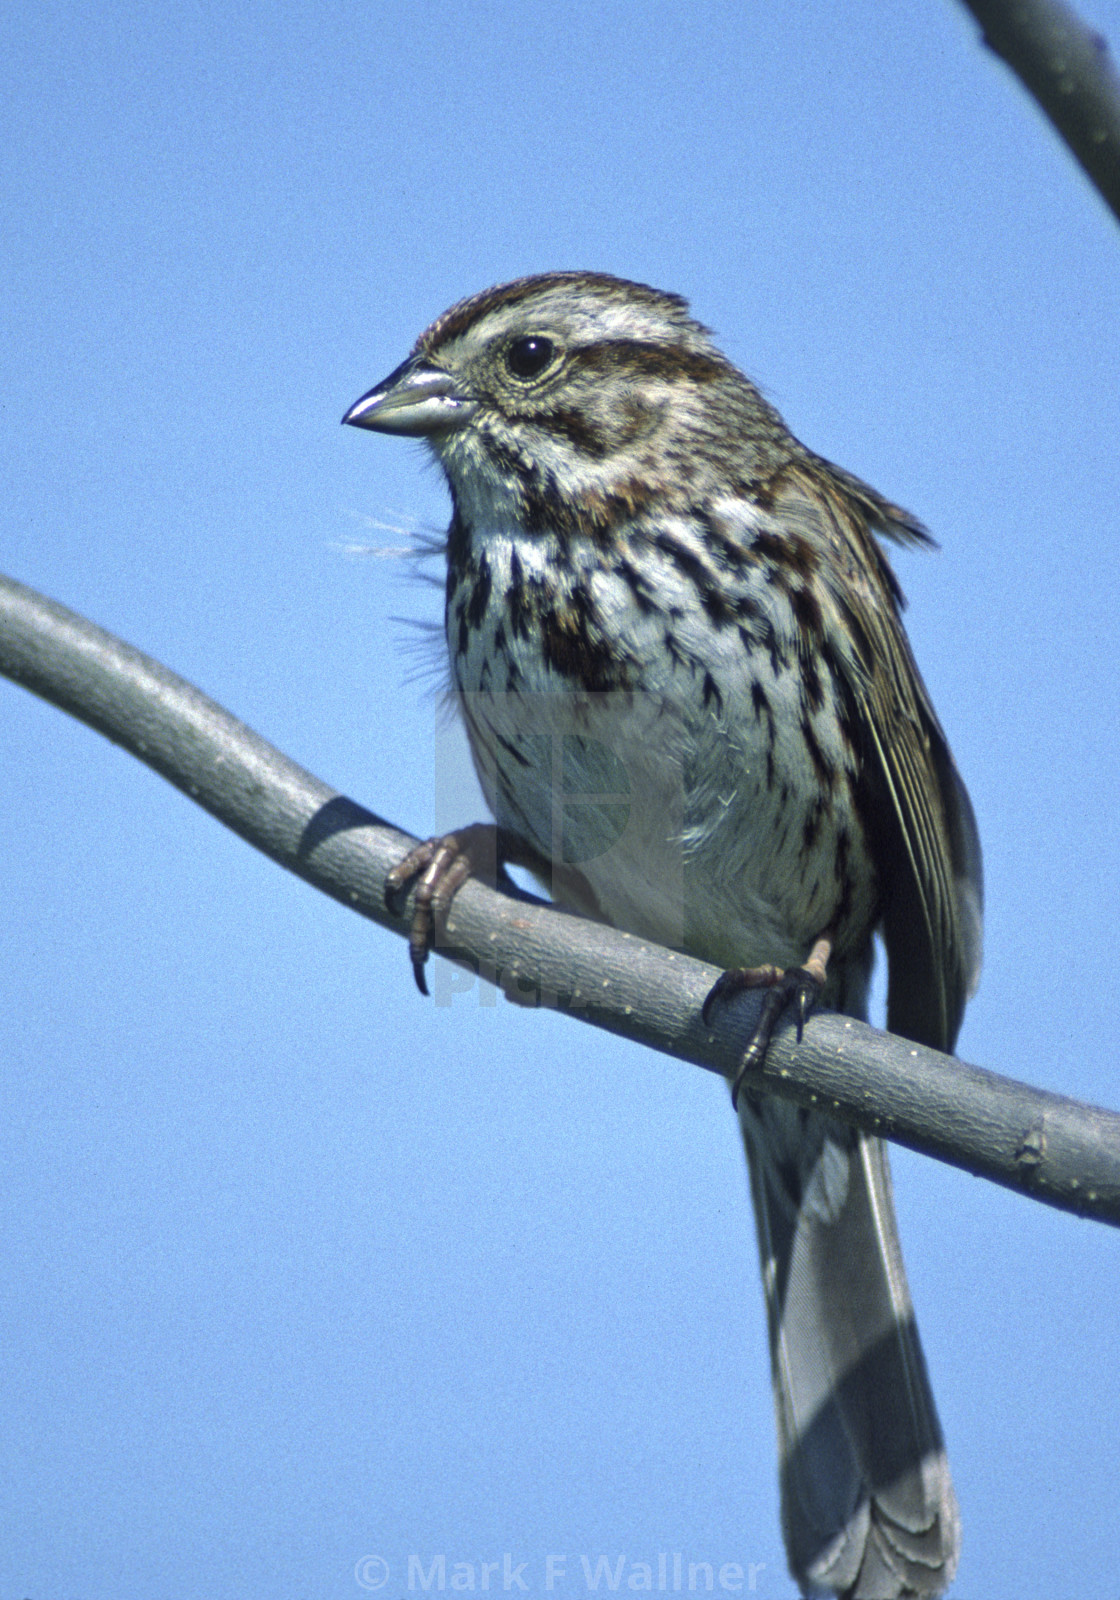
683,805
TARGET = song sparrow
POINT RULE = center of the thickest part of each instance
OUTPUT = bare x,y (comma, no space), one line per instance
646,570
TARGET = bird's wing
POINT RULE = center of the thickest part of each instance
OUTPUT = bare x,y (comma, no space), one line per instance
920,822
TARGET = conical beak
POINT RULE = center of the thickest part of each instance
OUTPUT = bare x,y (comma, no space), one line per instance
415,399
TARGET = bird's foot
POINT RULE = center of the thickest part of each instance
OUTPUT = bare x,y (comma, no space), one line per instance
799,987
442,866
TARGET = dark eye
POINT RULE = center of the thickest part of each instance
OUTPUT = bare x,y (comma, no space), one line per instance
528,357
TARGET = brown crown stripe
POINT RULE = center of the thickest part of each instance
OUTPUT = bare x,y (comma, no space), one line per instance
460,317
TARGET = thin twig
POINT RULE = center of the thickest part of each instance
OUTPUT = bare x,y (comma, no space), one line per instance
1067,68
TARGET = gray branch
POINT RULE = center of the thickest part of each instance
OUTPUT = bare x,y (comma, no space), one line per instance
1068,70
1043,1145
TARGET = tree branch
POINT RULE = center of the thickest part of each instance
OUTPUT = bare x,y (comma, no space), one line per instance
1043,1145
1067,68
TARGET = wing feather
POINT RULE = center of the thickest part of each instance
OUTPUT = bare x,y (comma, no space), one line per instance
917,812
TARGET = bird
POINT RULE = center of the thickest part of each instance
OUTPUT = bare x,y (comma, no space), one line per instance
676,643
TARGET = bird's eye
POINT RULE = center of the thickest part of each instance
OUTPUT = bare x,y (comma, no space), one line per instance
528,357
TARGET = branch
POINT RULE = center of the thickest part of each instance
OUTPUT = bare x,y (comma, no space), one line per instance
1043,1145
1067,68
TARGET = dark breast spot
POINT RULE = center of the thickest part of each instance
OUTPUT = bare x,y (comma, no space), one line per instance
712,695
824,768
788,556
807,610
778,662
810,831
638,584
480,593
728,551
719,608
520,606
511,749
575,649
811,689
718,605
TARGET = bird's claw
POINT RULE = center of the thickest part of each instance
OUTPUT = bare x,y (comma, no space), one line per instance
796,987
442,865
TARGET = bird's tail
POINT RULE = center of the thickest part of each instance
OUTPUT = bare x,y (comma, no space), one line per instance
868,1507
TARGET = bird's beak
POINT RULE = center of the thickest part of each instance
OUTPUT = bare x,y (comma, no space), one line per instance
415,399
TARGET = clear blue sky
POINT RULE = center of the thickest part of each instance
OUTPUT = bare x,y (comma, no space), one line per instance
300,1269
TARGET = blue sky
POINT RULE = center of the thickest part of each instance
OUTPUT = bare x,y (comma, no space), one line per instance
299,1269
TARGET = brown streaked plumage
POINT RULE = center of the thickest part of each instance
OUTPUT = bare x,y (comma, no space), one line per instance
648,573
